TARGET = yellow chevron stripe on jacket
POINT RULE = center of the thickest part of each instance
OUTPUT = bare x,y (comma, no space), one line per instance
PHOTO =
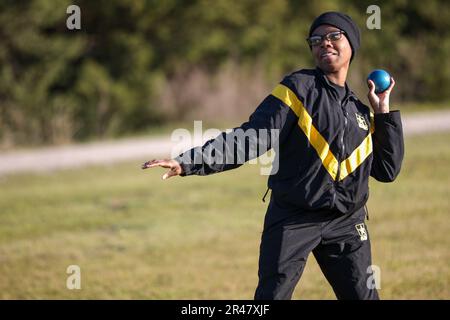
356,158
329,161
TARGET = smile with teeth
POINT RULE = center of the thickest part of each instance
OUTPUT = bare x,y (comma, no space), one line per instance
327,54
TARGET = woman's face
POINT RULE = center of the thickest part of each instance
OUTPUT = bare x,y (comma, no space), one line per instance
331,56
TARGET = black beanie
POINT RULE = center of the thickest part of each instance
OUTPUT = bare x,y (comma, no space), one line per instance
343,22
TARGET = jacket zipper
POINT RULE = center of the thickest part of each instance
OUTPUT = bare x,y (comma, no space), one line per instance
341,156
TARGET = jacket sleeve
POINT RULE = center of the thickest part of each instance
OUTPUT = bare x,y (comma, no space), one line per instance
388,146
230,150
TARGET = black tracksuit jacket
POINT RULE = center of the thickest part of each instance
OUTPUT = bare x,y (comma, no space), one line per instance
327,148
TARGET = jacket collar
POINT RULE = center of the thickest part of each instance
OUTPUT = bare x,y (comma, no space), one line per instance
326,82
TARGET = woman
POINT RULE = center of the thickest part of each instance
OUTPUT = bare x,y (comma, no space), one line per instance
328,146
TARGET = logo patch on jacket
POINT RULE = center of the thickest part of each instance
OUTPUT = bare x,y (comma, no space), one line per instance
361,121
361,231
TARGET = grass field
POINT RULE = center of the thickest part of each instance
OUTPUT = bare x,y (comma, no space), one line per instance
135,236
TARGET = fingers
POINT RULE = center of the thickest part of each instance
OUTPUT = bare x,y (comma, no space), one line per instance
392,85
175,167
145,165
148,164
156,163
371,86
371,95
170,173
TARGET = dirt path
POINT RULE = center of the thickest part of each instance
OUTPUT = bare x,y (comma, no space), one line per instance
53,158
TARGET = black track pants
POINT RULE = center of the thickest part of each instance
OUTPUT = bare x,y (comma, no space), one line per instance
340,244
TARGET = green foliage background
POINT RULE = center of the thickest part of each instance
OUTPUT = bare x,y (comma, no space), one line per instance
107,79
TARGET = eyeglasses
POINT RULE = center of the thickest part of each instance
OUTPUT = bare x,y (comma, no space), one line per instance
332,36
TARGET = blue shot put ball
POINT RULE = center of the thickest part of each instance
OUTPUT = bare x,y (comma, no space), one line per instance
381,78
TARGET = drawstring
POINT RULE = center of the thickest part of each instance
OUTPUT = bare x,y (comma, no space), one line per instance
265,194
367,212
